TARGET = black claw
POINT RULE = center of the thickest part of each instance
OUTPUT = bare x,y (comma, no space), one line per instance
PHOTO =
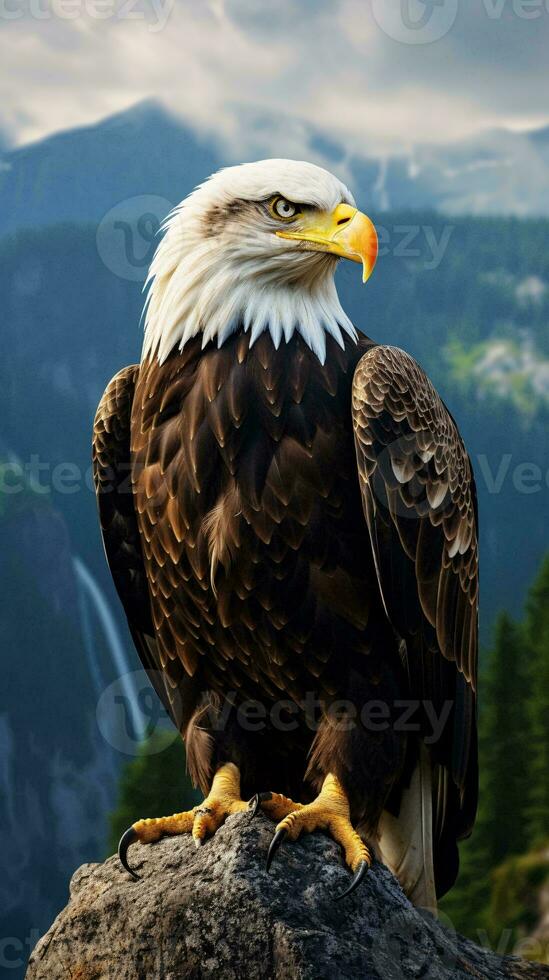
128,837
274,845
360,873
256,801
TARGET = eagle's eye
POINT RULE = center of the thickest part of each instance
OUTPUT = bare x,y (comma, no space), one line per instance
281,208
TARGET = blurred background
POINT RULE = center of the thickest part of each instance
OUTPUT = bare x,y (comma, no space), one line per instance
435,114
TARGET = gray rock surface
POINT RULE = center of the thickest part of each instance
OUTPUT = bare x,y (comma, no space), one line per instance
215,912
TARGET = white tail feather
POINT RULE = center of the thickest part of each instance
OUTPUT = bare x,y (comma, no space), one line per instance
405,843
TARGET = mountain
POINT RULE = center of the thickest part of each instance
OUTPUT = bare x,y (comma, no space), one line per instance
496,172
81,174
146,152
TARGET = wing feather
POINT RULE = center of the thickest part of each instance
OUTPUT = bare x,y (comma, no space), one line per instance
419,501
121,538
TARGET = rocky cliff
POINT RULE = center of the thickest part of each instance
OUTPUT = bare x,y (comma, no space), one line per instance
215,912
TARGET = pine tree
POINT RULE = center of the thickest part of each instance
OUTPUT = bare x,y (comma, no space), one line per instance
537,653
504,745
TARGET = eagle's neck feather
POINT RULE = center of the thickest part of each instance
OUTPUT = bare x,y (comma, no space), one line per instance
198,295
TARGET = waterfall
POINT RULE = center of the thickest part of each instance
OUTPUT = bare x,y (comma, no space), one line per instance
93,600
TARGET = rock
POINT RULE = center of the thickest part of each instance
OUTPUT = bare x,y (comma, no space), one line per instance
215,912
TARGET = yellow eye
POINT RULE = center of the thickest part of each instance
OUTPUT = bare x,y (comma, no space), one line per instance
281,208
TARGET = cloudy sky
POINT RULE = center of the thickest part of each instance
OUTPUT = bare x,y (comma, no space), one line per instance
380,74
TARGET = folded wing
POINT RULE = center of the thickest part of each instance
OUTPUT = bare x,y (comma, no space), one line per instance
419,501
112,469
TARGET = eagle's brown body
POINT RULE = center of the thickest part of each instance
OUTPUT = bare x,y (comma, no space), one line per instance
260,573
255,565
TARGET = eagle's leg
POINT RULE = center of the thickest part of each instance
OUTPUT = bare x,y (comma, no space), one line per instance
203,820
330,811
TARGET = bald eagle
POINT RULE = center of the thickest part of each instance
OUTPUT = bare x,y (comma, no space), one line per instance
296,549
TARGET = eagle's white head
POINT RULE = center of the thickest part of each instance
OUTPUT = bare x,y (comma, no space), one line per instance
255,247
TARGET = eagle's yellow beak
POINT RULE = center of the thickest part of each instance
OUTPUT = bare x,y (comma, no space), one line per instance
344,231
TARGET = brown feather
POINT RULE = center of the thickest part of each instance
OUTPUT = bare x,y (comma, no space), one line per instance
247,570
419,501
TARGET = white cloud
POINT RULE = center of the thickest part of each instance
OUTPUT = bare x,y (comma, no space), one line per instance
225,64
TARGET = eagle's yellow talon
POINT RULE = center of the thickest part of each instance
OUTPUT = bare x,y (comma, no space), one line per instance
328,812
202,821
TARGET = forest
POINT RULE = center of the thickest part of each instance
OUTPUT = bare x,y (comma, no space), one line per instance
505,863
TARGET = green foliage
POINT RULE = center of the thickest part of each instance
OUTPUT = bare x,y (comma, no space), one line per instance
154,784
500,372
514,900
537,641
505,745
504,864
465,905
462,360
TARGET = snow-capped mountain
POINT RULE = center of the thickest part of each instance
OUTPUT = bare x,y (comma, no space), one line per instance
79,175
